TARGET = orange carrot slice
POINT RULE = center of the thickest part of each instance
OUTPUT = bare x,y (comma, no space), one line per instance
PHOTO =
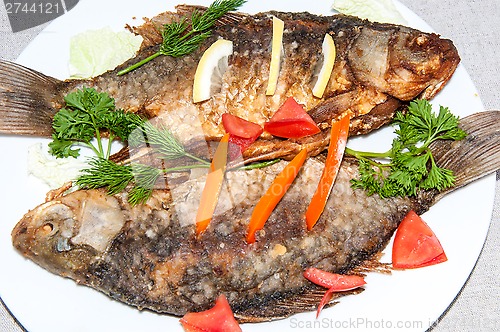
338,140
273,195
213,185
220,156
208,201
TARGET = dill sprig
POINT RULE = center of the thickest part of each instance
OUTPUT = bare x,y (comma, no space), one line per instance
138,179
104,173
162,141
145,178
181,38
409,165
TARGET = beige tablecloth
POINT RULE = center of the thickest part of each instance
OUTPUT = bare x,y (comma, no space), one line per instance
474,26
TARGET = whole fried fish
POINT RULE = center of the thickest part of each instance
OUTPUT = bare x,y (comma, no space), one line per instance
378,68
148,255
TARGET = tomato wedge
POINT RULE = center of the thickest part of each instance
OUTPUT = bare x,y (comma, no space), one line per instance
291,121
242,133
338,141
334,282
416,245
239,127
219,318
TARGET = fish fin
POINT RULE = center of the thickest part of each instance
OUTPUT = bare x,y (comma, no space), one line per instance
151,29
228,18
27,100
371,265
284,305
476,155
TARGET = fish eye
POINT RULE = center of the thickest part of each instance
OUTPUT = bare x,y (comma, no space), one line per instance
421,40
46,230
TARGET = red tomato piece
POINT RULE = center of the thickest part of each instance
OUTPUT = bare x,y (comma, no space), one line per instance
290,109
239,127
416,245
237,145
219,318
291,121
334,282
337,282
325,300
439,259
291,128
242,133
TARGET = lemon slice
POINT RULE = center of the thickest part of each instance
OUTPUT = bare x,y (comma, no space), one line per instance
212,65
276,54
329,53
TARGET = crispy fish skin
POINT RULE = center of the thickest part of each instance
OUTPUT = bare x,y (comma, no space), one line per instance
379,67
148,255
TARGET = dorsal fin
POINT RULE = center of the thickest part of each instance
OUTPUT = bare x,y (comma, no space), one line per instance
150,30
229,18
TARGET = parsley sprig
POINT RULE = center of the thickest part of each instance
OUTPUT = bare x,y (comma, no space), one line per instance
183,37
87,114
409,165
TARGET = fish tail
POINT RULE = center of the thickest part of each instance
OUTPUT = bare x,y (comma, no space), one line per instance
476,155
28,100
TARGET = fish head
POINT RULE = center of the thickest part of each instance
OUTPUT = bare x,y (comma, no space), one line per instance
424,60
403,62
67,234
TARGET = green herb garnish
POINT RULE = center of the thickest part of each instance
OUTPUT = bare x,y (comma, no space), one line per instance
182,38
409,165
86,115
117,178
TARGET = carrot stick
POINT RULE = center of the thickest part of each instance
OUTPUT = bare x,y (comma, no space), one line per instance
338,140
213,184
219,160
273,195
208,200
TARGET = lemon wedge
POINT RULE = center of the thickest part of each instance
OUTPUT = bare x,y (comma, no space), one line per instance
212,65
329,53
276,54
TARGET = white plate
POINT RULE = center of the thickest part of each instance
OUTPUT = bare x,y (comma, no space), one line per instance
409,299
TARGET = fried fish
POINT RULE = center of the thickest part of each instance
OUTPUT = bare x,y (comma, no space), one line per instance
148,255
378,68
